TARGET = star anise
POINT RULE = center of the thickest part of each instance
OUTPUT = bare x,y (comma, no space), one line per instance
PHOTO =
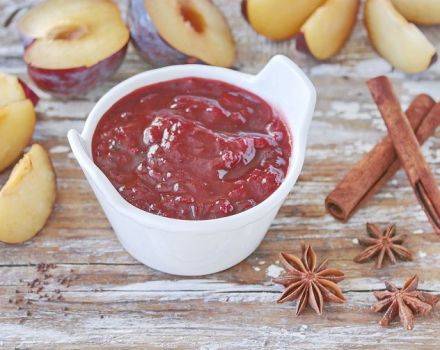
404,303
380,243
310,283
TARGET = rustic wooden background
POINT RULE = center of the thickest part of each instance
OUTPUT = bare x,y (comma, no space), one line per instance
98,297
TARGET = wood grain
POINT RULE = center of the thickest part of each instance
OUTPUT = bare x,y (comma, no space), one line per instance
115,302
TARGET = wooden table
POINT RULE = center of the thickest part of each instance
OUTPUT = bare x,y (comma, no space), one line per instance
99,297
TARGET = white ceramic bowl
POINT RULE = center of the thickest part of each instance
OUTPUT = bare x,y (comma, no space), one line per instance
191,248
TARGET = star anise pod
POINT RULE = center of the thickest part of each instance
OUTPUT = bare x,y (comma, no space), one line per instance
404,303
380,243
310,283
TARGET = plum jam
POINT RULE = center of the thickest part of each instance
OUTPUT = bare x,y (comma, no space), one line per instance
192,149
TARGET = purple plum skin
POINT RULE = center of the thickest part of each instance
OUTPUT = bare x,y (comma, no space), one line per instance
76,81
29,93
26,40
301,44
147,40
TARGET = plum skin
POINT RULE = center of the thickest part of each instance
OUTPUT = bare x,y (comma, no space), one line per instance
147,40
76,81
301,43
25,39
28,92
244,12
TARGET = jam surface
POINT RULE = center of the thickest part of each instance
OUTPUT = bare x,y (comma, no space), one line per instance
192,149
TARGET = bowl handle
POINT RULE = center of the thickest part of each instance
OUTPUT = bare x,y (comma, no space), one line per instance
287,86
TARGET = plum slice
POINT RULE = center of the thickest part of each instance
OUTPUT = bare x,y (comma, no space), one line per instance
17,118
325,32
280,19
28,196
401,43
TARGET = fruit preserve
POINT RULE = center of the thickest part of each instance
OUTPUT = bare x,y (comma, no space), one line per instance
192,149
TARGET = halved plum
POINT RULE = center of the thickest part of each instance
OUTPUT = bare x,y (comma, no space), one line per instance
180,31
73,45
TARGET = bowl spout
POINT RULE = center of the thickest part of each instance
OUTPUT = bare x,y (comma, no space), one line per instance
78,148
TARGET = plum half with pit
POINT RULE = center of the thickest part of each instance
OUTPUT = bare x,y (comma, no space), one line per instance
170,32
73,45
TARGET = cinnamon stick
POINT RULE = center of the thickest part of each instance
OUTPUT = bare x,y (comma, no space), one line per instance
407,148
370,174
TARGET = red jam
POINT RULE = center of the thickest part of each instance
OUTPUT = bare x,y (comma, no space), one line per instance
192,149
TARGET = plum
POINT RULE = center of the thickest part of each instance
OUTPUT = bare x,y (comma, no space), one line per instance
27,198
170,32
73,45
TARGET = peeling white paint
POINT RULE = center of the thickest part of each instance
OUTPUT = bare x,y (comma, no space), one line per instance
428,87
421,254
274,271
346,108
59,149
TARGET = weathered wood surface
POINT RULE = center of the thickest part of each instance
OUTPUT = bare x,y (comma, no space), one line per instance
112,301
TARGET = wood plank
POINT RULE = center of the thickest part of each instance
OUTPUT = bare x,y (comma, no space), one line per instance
142,308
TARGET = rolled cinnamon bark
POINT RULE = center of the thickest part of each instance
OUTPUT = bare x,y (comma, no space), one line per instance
408,149
368,176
